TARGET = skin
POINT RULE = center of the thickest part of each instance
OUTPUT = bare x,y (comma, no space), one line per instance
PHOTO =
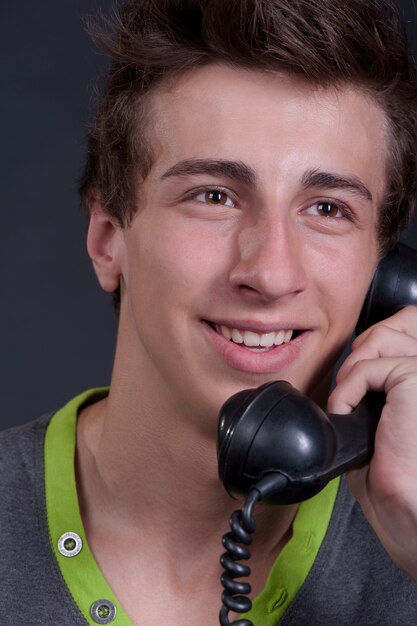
263,244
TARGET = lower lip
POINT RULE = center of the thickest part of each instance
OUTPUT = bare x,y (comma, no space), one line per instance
241,358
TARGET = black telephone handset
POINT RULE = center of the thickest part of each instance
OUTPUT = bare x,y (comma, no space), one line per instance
277,445
275,428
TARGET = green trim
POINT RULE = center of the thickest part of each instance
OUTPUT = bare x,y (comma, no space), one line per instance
81,573
296,559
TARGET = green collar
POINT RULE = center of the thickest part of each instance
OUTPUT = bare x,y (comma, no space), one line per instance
81,573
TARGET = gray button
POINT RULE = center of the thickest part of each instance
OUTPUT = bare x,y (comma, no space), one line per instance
70,544
103,611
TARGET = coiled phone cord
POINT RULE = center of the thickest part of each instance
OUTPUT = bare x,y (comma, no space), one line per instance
242,525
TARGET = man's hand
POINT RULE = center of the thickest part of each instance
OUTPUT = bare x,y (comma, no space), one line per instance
384,358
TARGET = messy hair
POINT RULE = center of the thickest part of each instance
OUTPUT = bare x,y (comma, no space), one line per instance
328,42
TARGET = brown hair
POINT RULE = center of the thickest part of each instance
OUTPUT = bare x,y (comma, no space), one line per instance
326,42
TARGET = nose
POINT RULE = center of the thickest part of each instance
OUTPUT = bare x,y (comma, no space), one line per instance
270,261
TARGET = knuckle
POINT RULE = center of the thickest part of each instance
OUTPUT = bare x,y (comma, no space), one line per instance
353,369
359,366
377,335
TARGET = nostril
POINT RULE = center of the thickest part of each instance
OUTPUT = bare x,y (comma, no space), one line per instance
248,289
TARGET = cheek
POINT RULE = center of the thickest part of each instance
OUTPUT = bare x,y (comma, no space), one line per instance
176,262
344,275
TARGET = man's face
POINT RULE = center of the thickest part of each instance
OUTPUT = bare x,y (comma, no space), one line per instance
255,238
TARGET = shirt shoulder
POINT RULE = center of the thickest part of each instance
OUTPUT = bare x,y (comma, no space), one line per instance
353,580
31,586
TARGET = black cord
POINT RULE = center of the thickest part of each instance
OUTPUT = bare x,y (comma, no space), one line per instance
234,598
242,525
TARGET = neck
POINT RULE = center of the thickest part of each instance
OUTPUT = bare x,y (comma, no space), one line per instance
143,464
163,485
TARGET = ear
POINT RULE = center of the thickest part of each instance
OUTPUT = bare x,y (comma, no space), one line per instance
104,245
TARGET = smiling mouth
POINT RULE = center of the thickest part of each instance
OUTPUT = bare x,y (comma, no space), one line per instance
256,342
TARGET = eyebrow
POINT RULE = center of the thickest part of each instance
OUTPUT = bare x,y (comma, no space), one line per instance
241,172
316,178
214,167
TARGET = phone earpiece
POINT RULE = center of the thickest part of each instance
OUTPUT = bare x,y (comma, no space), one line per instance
276,429
393,287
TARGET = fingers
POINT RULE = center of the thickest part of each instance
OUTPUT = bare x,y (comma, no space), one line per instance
374,374
384,358
405,321
395,336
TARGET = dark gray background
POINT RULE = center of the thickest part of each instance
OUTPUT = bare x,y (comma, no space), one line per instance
57,329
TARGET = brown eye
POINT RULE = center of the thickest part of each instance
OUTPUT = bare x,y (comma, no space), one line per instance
328,209
216,197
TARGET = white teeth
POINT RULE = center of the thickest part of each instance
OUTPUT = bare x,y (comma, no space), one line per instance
251,339
279,338
288,335
255,340
236,336
267,340
226,332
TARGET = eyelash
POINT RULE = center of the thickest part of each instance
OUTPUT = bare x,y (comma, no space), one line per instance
345,211
192,195
342,208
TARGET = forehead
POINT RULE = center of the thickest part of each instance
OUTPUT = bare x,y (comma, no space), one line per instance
276,123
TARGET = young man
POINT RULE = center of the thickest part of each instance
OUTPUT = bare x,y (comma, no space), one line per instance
250,163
